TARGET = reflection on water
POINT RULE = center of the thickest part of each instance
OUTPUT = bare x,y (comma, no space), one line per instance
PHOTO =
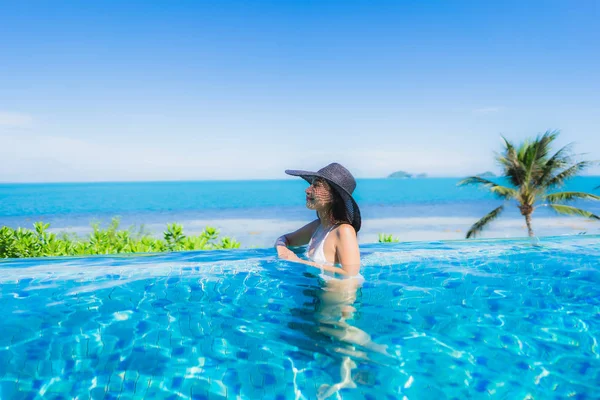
452,320
328,318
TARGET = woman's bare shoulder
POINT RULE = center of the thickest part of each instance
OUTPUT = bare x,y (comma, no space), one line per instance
344,230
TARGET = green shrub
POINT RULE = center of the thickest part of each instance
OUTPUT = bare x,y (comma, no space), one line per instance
18,243
383,238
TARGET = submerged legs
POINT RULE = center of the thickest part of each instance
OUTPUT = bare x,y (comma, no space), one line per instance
346,368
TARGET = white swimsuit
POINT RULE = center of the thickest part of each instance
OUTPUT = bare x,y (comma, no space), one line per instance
316,253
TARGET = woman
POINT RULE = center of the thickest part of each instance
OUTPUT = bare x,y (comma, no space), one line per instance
333,248
331,238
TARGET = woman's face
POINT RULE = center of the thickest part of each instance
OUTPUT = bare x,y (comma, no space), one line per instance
318,195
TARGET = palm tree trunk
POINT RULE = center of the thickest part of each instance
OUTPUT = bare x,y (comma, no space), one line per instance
526,211
528,222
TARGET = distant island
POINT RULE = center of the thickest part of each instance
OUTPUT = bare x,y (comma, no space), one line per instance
487,174
405,175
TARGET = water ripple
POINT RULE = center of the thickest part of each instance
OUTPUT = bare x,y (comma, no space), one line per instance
446,320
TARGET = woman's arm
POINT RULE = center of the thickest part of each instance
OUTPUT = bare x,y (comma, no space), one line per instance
321,267
347,253
330,268
299,237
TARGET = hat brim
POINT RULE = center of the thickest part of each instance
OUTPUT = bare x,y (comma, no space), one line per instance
352,209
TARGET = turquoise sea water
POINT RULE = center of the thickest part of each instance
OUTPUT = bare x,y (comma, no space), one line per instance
23,200
446,320
256,212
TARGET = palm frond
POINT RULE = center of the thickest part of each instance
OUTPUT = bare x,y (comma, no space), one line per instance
524,150
510,162
534,156
509,146
561,159
569,210
542,145
499,190
479,225
568,196
560,178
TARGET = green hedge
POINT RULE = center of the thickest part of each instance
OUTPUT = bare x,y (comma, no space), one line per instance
383,238
18,243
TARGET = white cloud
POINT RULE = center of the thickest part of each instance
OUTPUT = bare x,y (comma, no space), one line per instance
34,158
15,120
29,158
488,110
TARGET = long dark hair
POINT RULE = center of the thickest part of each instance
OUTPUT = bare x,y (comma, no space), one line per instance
338,209
337,212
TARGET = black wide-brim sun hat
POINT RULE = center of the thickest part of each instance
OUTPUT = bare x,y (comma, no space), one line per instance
342,181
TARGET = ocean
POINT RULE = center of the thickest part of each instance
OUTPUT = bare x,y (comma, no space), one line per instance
257,212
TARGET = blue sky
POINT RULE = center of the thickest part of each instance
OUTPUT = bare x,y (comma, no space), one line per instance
222,89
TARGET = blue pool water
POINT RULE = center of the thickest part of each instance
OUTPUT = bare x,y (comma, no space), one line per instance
442,320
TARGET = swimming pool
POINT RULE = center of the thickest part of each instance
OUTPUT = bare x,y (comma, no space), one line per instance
436,320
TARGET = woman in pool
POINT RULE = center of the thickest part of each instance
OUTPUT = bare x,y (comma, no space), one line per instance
333,248
331,238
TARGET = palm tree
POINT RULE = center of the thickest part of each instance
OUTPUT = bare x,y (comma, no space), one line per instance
533,172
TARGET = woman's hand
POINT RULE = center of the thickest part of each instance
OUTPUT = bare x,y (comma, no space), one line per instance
286,254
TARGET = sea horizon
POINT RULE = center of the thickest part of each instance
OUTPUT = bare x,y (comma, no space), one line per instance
256,212
261,179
